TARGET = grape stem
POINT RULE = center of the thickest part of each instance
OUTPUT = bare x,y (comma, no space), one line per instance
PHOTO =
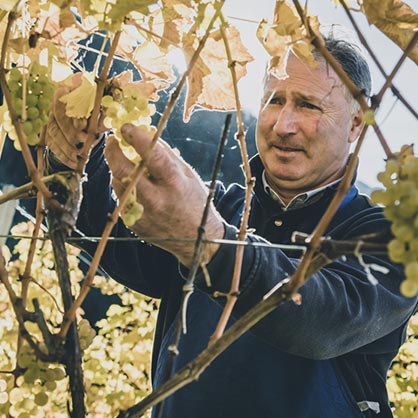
95,116
232,295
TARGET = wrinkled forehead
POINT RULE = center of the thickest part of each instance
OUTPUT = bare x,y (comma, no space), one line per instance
321,81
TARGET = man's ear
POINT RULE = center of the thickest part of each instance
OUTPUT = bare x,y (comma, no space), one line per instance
357,123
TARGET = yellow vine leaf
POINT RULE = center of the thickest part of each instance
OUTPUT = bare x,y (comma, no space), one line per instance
210,82
171,21
152,62
80,101
286,34
395,19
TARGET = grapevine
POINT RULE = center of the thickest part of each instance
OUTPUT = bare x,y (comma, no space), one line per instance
400,198
116,349
32,94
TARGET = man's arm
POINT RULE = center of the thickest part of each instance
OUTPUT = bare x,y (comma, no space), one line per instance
341,310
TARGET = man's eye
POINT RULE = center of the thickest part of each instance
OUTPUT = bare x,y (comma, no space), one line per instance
276,101
309,105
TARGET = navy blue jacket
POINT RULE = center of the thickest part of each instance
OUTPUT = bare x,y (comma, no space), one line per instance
326,358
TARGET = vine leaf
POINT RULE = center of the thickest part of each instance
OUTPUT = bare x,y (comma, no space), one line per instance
395,19
171,21
80,101
152,62
148,89
210,83
286,34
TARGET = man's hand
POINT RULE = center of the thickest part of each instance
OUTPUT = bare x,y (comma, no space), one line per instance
172,194
65,136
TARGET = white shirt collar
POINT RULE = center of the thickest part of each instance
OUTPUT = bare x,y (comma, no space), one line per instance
299,200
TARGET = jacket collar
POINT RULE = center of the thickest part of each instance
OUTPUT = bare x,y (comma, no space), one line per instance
265,193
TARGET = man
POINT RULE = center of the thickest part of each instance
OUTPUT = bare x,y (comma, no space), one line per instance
326,358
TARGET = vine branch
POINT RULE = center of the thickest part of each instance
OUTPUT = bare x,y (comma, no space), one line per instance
232,295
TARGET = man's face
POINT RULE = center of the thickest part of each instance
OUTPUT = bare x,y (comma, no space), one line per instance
305,126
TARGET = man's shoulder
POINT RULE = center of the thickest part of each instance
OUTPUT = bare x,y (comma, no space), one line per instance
229,201
359,217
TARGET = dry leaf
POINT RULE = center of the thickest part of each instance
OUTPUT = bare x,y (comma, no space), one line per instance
210,82
152,62
303,49
66,18
286,34
80,101
395,19
148,89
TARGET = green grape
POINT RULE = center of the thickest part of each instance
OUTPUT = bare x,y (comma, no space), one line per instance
402,231
392,166
17,103
31,374
4,398
32,139
31,100
16,395
27,127
44,103
35,88
411,271
43,80
107,101
14,85
49,375
380,197
41,399
384,178
59,373
396,249
409,288
128,219
15,74
50,386
3,385
27,404
32,113
401,207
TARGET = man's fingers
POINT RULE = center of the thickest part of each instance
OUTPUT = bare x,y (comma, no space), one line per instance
120,166
159,163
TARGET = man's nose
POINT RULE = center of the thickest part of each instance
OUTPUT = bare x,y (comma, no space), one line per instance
286,122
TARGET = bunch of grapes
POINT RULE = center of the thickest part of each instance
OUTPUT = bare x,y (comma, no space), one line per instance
129,105
86,333
400,198
25,396
132,211
32,95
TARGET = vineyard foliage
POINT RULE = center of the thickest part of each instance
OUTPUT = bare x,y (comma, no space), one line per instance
42,41
117,348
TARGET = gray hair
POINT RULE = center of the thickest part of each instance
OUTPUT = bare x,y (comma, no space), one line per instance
351,58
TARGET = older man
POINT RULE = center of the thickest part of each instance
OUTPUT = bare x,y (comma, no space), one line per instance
326,358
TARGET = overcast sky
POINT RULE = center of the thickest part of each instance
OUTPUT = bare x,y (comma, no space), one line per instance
398,125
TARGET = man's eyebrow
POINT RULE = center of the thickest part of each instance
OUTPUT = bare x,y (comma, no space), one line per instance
307,97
